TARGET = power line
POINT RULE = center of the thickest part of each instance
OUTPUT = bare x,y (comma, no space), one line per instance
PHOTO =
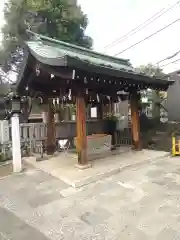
177,60
118,39
146,38
169,57
141,26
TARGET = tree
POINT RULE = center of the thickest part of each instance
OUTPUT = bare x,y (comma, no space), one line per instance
59,19
154,71
151,70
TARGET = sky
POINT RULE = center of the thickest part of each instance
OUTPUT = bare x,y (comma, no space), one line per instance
1,15
111,19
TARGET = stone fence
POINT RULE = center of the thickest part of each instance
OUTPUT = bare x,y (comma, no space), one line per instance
34,133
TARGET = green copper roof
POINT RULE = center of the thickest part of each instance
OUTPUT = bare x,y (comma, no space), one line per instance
55,53
60,54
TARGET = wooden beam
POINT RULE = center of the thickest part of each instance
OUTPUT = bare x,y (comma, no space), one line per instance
135,121
81,129
51,129
61,72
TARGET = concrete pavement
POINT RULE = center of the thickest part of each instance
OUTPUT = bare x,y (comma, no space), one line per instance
141,202
63,165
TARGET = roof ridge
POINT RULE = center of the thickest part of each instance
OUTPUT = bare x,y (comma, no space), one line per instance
44,38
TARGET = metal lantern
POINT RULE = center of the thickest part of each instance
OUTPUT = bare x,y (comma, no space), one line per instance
13,104
16,105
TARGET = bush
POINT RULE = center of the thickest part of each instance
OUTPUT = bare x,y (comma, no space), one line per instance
2,157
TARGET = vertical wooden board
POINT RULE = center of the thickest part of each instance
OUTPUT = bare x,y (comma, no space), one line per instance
81,130
135,121
51,130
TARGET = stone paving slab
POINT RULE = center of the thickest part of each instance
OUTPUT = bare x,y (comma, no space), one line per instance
12,227
26,191
140,202
63,166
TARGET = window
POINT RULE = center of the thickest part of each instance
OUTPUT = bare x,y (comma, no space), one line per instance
94,112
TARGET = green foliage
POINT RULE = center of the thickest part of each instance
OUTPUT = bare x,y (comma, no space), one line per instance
59,19
151,70
156,96
111,117
3,158
62,19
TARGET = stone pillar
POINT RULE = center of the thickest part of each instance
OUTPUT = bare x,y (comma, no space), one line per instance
44,117
16,145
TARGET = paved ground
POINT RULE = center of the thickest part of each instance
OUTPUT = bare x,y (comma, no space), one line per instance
141,202
5,170
62,166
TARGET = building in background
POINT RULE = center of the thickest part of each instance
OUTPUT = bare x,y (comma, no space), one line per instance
173,97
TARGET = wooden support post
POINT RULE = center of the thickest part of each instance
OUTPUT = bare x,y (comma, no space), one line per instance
51,129
81,132
88,112
100,111
110,109
135,121
104,111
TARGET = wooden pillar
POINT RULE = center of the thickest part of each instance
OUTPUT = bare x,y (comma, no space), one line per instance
111,108
106,110
156,109
51,129
100,111
81,131
135,121
88,112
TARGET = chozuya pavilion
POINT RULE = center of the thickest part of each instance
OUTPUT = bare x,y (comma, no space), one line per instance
53,69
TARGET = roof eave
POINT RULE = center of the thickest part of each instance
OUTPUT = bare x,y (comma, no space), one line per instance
75,47
119,73
61,61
